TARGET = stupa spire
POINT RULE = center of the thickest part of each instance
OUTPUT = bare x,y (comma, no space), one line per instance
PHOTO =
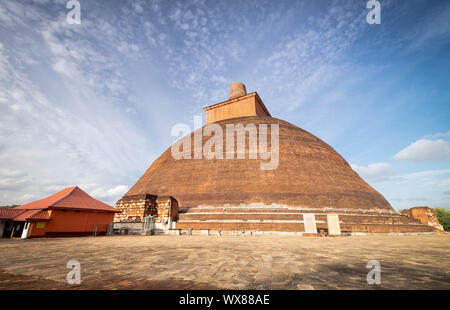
237,89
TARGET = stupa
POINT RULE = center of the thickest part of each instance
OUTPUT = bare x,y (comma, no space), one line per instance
311,190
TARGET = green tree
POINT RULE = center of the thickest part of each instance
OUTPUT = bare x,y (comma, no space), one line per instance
11,206
443,216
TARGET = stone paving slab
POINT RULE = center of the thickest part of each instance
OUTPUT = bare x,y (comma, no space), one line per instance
228,262
10,281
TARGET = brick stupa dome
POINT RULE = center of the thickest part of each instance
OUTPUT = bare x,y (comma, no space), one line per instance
310,174
236,194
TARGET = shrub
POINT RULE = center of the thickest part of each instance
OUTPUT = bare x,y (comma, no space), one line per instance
443,216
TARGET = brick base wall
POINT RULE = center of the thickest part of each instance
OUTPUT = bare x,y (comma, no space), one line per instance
135,208
285,220
424,215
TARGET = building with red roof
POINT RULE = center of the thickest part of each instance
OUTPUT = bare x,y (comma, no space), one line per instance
70,212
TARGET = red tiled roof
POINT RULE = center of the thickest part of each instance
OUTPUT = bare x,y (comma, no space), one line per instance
33,215
42,215
9,213
45,202
69,198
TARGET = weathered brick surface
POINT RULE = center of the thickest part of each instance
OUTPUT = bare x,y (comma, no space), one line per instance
310,173
257,216
280,210
244,219
166,210
135,208
297,216
298,227
424,215
288,227
377,219
385,228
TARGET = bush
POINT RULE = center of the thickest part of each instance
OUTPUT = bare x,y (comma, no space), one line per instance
11,206
443,216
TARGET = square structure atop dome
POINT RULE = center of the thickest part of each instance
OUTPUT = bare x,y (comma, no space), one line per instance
247,105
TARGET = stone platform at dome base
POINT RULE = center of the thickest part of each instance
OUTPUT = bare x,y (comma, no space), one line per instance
290,220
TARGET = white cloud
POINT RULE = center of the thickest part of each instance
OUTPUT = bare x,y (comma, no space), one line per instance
435,25
439,135
412,189
137,6
126,48
73,132
415,199
67,68
375,171
425,149
109,195
426,173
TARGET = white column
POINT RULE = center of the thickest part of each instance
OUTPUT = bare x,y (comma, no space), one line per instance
309,221
334,227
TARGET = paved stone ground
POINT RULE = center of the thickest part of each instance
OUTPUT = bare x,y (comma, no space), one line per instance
228,262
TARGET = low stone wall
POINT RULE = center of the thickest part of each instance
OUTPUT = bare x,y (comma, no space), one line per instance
386,228
128,228
291,220
242,226
379,219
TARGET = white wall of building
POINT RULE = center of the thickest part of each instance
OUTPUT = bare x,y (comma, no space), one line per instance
26,230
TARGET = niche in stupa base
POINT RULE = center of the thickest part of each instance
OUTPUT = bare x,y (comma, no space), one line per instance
166,212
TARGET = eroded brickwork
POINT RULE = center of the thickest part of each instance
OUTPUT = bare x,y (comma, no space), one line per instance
135,208
310,174
291,220
166,210
425,215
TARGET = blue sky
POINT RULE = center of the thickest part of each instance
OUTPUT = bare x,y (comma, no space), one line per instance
93,104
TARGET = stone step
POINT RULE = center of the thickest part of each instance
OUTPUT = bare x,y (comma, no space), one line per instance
299,227
247,226
193,217
159,232
287,210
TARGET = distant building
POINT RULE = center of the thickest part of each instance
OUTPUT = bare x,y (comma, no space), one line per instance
70,212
